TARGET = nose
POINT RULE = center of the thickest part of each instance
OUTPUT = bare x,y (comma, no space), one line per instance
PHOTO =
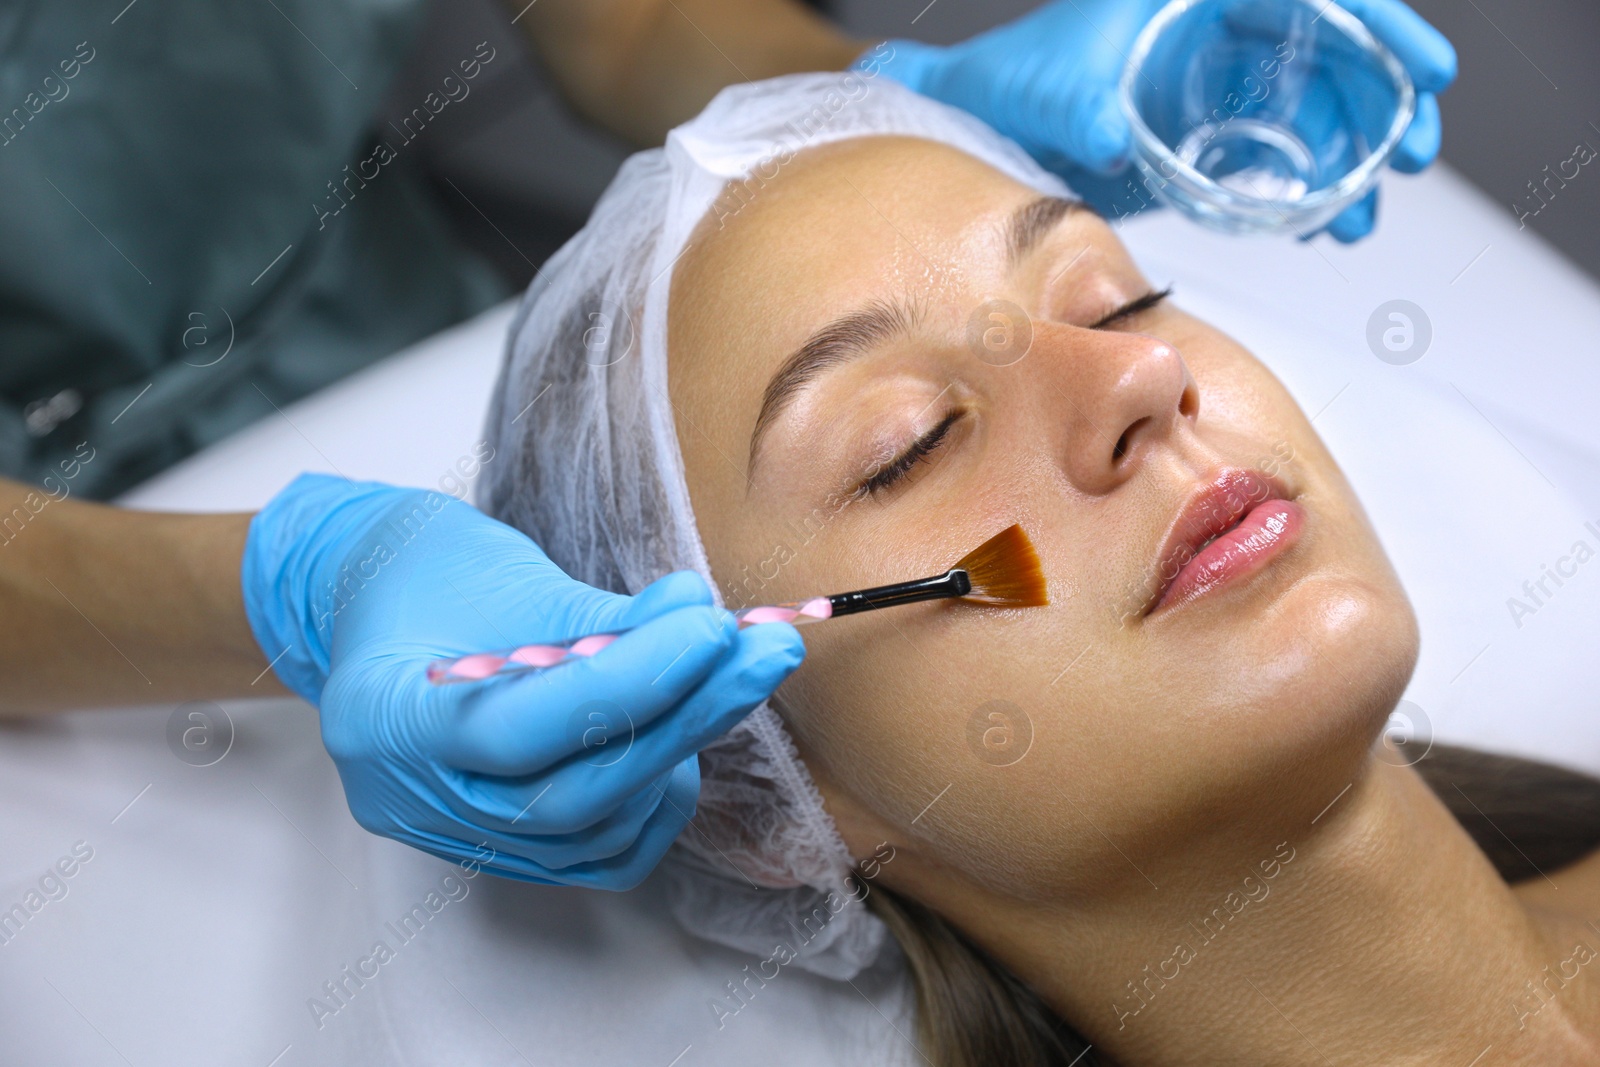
1119,396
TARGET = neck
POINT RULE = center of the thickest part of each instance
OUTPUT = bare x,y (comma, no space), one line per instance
1378,934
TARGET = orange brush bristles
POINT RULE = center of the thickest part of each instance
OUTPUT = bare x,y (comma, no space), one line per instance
1005,571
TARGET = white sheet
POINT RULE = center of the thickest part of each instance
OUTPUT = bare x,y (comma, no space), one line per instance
223,897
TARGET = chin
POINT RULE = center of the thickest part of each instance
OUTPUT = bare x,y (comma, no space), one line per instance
1275,699
1336,653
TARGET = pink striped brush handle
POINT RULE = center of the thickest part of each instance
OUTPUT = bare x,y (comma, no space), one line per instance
480,665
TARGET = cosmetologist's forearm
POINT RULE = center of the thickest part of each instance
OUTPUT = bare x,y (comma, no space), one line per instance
106,606
641,67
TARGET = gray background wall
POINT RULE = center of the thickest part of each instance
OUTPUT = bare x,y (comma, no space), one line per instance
1529,92
519,172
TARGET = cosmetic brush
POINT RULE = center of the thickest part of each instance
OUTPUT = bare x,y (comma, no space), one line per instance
1004,571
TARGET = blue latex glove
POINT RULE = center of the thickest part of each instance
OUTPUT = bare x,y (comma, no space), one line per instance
1049,82
582,774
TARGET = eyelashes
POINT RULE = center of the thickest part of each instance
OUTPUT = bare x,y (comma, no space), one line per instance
897,468
1132,308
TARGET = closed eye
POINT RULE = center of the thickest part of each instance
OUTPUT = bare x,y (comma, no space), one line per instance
897,468
1132,308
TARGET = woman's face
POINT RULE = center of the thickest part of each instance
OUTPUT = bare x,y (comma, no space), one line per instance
949,354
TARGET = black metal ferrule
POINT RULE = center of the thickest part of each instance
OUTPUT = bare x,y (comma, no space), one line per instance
952,583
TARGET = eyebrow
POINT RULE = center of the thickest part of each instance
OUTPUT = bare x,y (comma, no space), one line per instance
848,337
1030,223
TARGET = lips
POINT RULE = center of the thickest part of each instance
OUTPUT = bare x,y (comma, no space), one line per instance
1227,531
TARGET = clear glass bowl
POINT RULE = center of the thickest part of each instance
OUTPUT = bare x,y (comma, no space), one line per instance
1262,116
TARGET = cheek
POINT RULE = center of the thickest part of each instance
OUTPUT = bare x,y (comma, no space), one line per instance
880,701
1240,397
945,735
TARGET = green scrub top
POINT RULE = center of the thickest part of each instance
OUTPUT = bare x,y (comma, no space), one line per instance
185,242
